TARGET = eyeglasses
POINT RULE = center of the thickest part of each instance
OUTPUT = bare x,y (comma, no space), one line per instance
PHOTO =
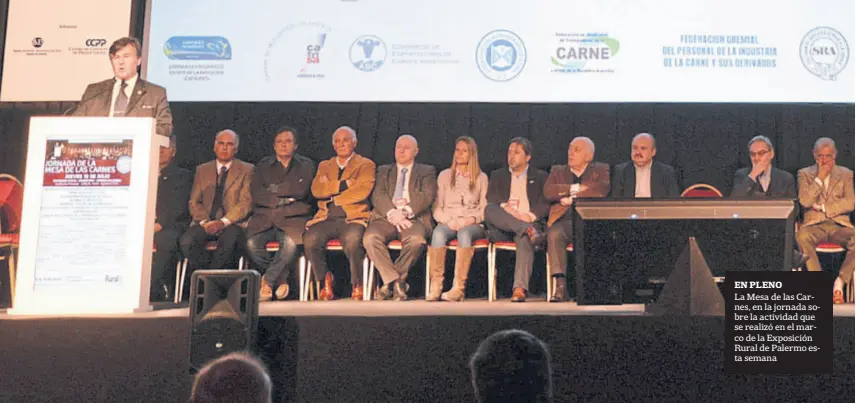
759,153
824,156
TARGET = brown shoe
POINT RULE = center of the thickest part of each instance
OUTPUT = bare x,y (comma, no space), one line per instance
326,293
265,292
281,291
518,295
357,293
837,297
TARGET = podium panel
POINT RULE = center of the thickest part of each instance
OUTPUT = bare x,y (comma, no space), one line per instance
89,209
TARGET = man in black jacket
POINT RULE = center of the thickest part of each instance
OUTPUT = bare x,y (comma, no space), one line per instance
762,179
643,177
282,204
516,209
172,219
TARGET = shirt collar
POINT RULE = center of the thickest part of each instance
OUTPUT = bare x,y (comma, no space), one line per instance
409,167
581,172
525,171
220,165
131,81
646,168
346,161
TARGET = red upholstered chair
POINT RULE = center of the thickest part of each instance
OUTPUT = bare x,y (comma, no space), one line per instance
11,208
480,244
550,283
306,275
834,248
491,266
701,190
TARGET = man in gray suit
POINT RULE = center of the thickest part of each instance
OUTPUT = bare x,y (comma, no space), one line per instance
126,94
402,200
826,195
220,203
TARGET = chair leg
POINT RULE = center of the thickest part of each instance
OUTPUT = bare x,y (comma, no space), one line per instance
368,276
176,298
13,275
301,266
307,282
549,279
183,276
491,274
427,274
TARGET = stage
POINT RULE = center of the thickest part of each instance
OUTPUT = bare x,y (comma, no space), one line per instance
414,351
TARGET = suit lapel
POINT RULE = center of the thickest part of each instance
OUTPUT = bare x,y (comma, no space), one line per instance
109,98
392,181
411,189
834,177
137,93
655,180
231,175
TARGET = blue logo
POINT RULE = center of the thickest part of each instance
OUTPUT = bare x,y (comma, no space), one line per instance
368,53
824,52
198,48
501,55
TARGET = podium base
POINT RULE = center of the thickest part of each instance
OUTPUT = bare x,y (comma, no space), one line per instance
690,289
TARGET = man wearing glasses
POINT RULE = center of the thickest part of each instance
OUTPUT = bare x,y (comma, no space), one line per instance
762,179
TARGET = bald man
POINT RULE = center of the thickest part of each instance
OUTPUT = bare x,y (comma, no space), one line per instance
219,205
402,200
642,177
581,177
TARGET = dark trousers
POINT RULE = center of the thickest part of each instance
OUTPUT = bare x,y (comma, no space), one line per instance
228,241
164,261
558,237
504,227
413,240
275,268
351,235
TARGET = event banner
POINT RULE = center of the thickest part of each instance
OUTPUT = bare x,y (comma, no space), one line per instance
84,213
54,48
502,50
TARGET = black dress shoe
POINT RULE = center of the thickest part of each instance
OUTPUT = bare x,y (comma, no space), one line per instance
560,295
384,293
536,238
401,291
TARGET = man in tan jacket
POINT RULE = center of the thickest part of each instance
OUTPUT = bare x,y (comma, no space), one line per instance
826,195
342,186
219,205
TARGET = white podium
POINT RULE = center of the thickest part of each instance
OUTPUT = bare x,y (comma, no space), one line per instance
89,210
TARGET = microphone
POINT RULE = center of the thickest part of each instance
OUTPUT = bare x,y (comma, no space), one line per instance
87,99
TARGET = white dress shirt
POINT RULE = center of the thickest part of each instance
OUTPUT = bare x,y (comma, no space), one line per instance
643,180
129,89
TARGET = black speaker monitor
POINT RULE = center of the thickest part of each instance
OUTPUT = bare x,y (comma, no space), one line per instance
223,314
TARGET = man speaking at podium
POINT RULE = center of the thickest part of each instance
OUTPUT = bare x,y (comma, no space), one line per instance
126,94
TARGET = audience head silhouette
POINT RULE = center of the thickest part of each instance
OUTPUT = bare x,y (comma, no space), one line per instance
512,366
234,378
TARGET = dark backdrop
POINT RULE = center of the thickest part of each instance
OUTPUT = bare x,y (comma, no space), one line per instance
705,142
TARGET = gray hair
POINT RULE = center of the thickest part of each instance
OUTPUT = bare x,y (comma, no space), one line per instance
408,137
587,141
765,139
824,142
350,131
229,131
649,135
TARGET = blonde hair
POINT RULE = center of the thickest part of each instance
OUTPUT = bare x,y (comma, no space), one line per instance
473,165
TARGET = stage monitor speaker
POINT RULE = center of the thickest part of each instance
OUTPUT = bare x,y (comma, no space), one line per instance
224,306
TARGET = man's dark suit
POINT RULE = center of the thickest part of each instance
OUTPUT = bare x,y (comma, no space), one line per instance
504,227
664,183
173,216
782,184
421,188
147,100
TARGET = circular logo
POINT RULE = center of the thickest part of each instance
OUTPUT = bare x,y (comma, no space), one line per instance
501,55
368,53
123,164
824,52
38,42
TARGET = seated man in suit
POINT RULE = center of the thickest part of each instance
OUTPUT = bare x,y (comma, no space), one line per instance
402,200
643,177
342,186
579,178
516,208
762,179
126,94
219,205
172,219
282,204
826,195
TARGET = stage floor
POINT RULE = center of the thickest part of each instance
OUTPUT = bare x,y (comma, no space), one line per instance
346,307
